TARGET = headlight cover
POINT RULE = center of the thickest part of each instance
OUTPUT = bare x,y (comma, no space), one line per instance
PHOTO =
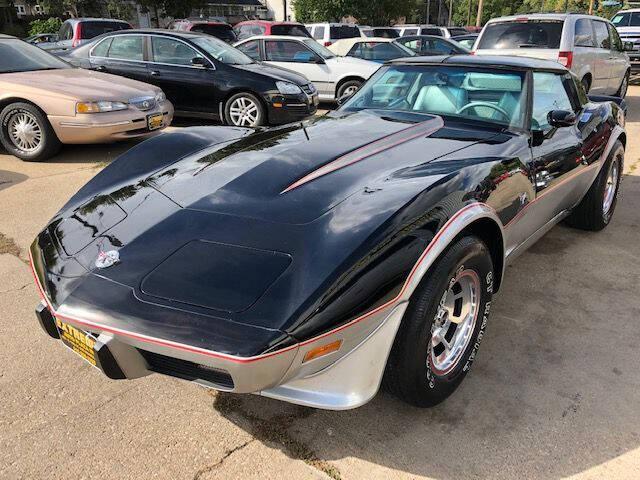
101,106
287,88
160,97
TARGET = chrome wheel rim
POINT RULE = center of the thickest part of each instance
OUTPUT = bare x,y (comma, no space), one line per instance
244,112
610,187
350,90
24,131
454,323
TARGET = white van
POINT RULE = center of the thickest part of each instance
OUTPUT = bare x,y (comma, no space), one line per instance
327,33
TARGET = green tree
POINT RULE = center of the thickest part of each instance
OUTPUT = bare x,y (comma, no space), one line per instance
170,8
50,25
368,12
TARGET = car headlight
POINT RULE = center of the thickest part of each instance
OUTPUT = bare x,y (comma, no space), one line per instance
287,88
160,97
102,106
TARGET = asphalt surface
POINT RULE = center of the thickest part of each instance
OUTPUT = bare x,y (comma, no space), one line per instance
554,392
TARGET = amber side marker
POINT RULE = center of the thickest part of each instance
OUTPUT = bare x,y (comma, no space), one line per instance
277,105
322,350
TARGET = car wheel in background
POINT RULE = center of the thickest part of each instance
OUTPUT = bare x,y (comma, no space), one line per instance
244,110
443,326
26,133
586,83
624,86
596,208
348,88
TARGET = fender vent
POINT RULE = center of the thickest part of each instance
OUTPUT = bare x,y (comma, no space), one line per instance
186,370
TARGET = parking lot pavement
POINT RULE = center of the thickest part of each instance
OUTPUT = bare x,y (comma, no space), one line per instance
554,392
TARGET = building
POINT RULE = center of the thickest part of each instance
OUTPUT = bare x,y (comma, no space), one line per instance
280,10
24,10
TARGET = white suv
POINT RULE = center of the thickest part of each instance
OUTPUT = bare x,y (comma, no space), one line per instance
627,22
589,46
327,33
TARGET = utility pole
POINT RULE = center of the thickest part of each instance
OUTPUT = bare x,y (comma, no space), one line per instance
591,7
469,14
428,11
450,10
479,17
439,8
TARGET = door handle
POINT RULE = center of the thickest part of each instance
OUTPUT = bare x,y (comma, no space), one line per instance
155,73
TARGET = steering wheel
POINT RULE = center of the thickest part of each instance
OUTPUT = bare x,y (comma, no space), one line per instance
498,109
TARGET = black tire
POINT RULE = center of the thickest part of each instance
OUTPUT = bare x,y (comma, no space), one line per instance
261,117
349,84
48,144
586,83
590,213
409,373
624,86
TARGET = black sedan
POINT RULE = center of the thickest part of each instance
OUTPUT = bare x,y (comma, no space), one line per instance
431,45
202,76
313,261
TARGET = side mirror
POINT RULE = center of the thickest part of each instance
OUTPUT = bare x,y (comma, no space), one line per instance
561,118
627,46
200,62
344,98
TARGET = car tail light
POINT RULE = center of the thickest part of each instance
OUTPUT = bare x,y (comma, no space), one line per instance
472,52
565,58
78,36
326,44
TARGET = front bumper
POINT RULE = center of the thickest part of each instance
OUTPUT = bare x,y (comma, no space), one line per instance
109,127
291,108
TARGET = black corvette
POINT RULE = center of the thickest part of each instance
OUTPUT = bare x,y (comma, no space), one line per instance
313,262
202,76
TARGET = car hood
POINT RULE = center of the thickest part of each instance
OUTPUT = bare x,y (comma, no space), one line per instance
79,84
277,73
352,62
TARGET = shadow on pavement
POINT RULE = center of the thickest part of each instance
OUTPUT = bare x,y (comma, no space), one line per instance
553,392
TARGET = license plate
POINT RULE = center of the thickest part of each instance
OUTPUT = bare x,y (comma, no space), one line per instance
78,340
155,121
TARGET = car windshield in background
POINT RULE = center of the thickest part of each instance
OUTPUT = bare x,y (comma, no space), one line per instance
221,51
319,49
477,94
457,31
19,56
343,31
526,34
385,33
290,30
224,32
93,29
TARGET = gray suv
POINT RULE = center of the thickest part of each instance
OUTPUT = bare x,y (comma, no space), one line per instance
587,45
76,31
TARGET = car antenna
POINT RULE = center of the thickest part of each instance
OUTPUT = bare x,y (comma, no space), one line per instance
305,131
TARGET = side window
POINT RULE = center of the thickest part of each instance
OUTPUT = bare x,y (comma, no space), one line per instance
440,47
66,32
431,31
318,33
356,50
377,51
583,33
413,44
616,42
549,93
173,52
410,31
621,19
251,49
278,51
127,47
634,20
602,35
102,48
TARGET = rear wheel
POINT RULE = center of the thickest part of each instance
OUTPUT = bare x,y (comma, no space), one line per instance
624,86
442,328
596,208
244,110
26,133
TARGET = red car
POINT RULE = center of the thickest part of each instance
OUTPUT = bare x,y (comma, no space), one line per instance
217,29
251,28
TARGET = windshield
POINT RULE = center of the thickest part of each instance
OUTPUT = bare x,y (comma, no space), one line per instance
223,32
19,56
477,94
319,49
221,51
526,34
91,29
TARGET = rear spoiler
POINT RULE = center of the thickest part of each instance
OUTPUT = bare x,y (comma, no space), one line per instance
606,98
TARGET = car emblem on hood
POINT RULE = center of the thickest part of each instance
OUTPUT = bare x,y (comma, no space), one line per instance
106,259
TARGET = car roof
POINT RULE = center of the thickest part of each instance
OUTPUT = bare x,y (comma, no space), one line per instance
542,16
2,35
342,46
501,61
627,10
427,37
158,31
96,19
332,24
267,22
276,37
